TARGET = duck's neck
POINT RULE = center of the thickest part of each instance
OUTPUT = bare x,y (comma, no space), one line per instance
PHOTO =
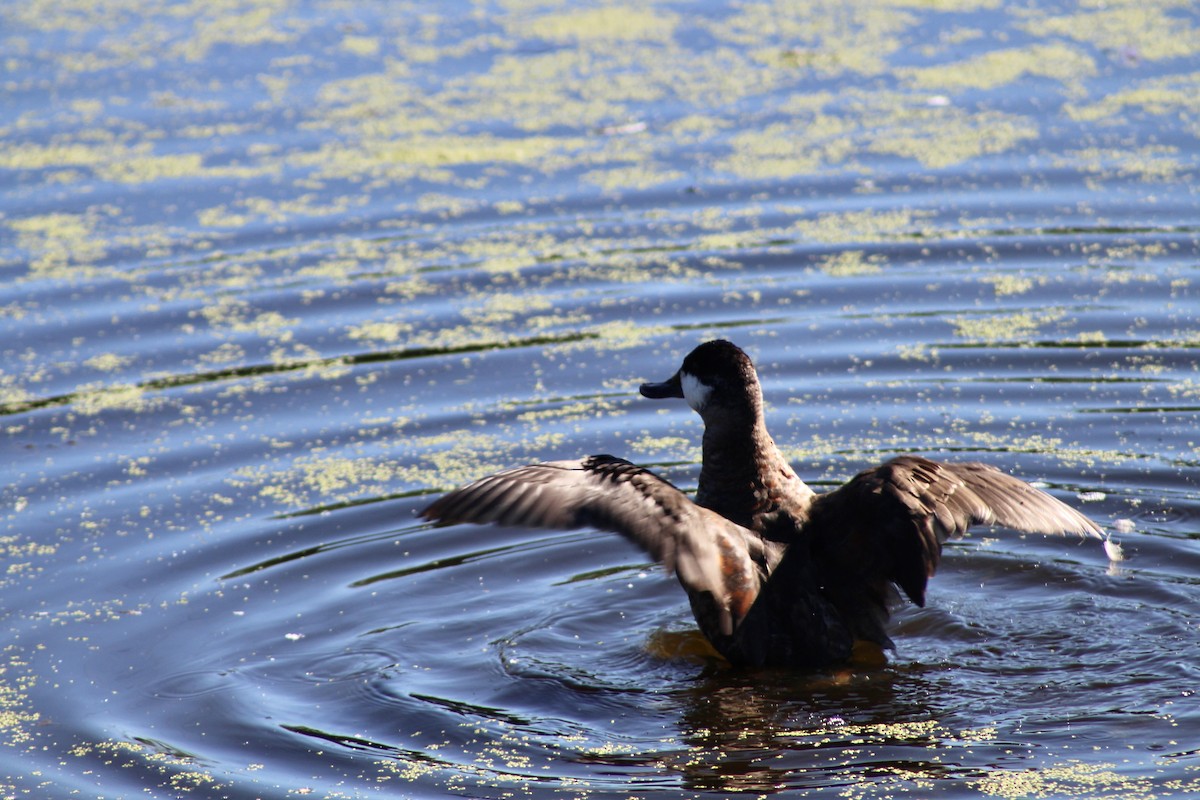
744,476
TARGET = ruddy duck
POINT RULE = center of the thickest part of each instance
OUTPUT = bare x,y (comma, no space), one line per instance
777,574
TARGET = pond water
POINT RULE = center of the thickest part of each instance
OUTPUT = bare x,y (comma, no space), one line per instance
275,274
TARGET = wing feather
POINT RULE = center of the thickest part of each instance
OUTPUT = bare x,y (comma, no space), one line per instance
888,523
713,558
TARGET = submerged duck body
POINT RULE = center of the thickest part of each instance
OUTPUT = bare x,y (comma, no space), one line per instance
776,574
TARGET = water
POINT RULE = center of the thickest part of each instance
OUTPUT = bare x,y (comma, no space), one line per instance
277,274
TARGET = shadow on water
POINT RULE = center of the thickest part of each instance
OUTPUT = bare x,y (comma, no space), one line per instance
720,730
775,731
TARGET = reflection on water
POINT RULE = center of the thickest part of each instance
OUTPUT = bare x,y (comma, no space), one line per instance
277,274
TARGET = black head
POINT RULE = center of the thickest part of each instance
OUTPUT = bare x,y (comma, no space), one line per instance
715,373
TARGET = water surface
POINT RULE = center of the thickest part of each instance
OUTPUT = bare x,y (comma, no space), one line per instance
276,274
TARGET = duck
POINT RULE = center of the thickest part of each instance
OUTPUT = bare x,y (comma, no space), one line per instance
776,574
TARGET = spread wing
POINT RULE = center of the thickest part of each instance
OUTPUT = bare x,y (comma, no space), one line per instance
711,555
888,524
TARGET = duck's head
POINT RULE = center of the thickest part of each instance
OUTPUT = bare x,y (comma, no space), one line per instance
717,380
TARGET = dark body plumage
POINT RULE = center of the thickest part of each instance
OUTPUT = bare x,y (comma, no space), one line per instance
776,574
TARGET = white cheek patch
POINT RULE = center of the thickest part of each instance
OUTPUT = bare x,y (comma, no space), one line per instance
695,391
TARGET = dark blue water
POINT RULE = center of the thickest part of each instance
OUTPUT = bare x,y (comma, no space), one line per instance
275,275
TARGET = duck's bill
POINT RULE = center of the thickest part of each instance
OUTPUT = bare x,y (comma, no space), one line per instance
668,388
